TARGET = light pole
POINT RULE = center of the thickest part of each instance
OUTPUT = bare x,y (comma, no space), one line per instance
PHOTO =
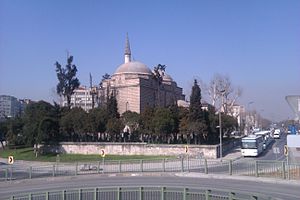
220,125
249,116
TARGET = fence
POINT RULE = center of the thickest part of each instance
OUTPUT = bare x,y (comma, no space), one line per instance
141,193
257,168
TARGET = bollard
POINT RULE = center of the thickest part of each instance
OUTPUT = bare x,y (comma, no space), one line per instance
47,196
256,168
164,165
283,170
120,167
11,172
53,171
6,174
185,191
141,163
182,165
95,193
30,172
79,194
162,193
207,194
141,193
230,167
76,169
205,166
119,194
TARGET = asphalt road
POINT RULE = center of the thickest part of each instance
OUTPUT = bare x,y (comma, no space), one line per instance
269,154
279,189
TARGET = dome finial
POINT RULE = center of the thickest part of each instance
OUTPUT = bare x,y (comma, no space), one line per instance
127,50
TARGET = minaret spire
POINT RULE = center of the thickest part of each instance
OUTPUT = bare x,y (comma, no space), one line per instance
127,53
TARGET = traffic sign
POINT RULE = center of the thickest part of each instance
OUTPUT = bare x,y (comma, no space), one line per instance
102,153
186,149
286,150
10,160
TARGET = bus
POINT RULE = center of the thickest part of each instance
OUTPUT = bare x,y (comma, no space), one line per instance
266,135
252,145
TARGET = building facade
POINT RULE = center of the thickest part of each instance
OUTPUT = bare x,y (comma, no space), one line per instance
10,107
83,97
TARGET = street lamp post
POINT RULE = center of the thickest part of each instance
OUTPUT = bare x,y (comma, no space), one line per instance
220,125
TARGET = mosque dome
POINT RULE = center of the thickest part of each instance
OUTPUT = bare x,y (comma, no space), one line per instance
133,67
167,77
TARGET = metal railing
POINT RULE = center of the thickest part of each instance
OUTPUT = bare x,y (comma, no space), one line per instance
257,168
140,193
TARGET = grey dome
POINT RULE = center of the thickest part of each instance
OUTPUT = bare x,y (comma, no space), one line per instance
167,77
133,67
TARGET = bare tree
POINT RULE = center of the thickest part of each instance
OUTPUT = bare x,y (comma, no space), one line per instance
222,93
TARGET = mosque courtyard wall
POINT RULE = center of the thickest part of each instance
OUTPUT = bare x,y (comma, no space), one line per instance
205,151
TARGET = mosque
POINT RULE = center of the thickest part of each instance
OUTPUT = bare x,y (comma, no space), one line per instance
134,86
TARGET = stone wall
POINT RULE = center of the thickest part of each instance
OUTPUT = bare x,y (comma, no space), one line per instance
206,151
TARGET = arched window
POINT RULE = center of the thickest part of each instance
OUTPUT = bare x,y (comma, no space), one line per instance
127,106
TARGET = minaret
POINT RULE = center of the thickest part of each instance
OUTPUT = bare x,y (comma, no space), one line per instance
127,50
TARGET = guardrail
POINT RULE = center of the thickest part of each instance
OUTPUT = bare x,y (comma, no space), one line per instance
258,168
140,193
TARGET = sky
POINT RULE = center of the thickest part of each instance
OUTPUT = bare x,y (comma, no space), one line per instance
255,43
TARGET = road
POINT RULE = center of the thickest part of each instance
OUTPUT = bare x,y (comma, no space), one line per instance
283,190
269,154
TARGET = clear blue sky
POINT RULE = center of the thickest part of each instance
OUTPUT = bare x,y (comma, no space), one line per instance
256,43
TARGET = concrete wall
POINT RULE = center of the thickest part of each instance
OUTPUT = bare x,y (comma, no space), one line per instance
206,151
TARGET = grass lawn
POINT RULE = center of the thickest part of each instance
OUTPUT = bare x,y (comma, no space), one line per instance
28,154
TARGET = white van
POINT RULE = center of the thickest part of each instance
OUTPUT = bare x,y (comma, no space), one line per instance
276,133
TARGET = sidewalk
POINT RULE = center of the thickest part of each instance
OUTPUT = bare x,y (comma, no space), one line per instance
233,154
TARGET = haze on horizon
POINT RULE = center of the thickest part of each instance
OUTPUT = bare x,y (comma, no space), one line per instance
255,43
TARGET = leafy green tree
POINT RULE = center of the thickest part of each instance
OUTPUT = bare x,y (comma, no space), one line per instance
112,107
14,134
34,115
97,120
131,120
183,123
114,128
67,81
146,127
74,124
164,124
48,131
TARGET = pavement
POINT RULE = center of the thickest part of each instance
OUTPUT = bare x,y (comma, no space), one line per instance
233,154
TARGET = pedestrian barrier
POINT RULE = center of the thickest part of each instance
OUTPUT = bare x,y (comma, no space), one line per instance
257,168
140,193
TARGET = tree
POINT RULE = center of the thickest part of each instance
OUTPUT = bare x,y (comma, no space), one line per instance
163,124
157,75
196,123
114,127
146,127
97,120
131,120
221,89
67,81
14,134
34,115
112,106
74,124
